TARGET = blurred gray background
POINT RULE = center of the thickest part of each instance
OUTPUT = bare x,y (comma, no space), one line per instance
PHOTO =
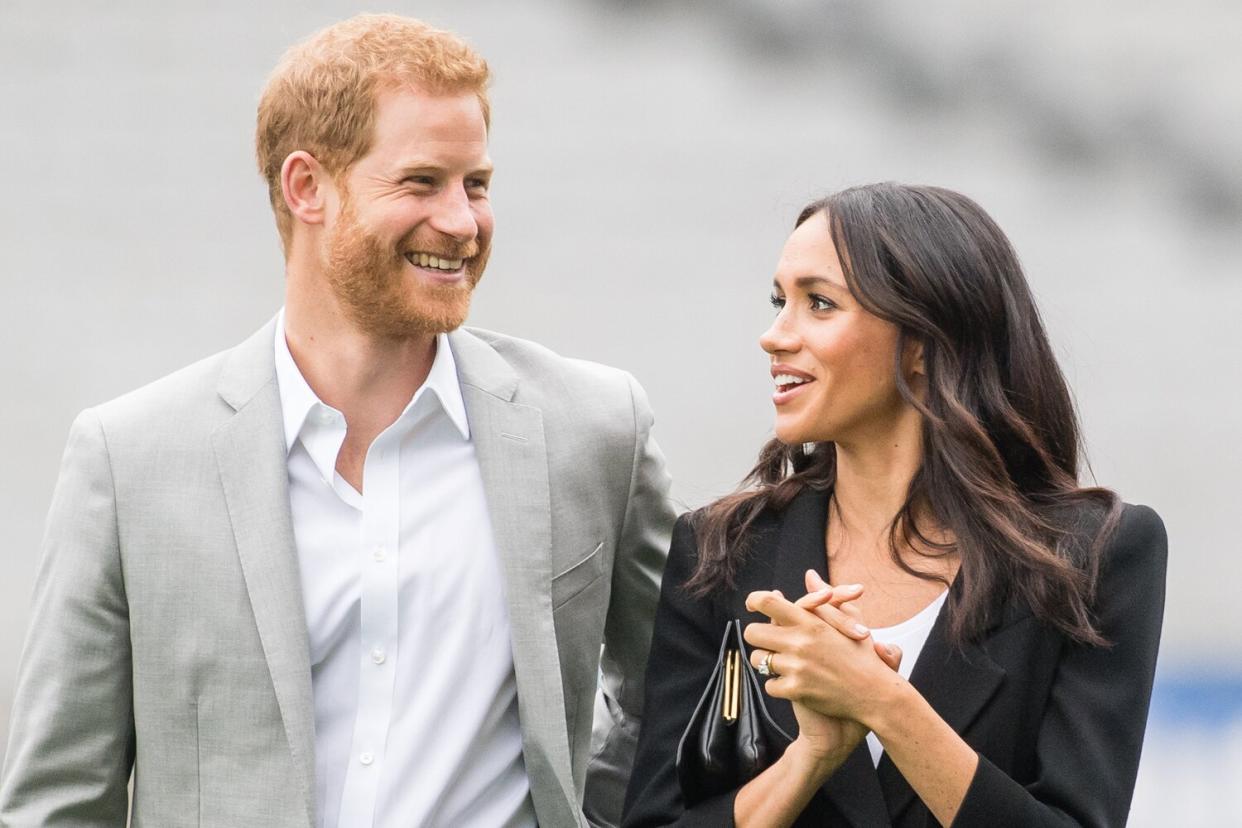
651,157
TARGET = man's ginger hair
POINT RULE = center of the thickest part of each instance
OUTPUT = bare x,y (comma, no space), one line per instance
321,96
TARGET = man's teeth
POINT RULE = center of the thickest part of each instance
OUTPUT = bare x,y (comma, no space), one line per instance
427,260
789,379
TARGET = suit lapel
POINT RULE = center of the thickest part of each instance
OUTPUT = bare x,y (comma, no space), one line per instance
512,455
799,547
251,457
854,789
957,683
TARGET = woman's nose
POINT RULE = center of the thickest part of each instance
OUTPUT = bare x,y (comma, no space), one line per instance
778,337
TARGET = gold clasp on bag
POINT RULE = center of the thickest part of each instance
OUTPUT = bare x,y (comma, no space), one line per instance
732,688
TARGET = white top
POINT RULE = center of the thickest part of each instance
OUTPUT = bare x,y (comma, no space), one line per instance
416,717
910,635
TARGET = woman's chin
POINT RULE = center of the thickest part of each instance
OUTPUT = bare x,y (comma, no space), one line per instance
792,435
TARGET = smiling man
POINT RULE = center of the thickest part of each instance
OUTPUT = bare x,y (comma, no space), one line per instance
359,569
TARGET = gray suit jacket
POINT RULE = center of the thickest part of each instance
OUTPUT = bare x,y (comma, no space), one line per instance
168,634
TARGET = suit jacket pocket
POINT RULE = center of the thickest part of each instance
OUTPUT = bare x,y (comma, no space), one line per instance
578,577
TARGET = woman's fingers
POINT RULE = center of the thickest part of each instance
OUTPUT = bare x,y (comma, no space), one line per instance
840,593
785,614
890,654
815,599
841,596
758,655
768,637
843,622
775,606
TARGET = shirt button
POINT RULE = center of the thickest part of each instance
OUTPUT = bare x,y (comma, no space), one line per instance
366,758
378,655
379,553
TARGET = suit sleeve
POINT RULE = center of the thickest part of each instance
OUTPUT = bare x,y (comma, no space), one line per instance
1092,729
642,550
683,655
71,742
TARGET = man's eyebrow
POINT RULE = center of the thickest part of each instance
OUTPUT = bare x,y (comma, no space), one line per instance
409,168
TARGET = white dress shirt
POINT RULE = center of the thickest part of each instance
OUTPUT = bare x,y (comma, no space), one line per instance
416,716
910,635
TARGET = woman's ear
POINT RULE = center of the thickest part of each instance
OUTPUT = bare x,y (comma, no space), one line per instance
912,358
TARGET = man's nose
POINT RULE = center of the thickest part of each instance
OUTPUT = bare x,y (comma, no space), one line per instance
453,216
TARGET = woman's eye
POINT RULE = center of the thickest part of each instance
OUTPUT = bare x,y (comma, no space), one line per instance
821,303
777,302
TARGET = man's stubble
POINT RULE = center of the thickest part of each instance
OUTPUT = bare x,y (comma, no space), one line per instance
381,298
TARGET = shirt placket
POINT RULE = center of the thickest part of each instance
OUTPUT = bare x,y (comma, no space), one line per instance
378,584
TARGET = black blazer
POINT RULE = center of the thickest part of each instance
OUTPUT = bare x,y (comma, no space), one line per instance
1058,726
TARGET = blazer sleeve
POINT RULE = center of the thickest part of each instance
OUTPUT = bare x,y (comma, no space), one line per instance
683,655
1091,734
71,742
638,565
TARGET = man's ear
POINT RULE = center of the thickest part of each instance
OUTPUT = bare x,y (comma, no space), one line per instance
305,184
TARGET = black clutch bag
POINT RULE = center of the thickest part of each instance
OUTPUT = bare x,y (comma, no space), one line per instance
731,738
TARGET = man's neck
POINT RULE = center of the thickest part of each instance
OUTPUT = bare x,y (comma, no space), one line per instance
369,379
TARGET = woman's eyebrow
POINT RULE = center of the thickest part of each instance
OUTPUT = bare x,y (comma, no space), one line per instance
806,282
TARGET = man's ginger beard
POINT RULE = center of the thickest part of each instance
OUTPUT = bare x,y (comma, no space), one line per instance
380,297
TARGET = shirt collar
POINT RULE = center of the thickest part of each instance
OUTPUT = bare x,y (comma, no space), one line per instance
442,379
298,399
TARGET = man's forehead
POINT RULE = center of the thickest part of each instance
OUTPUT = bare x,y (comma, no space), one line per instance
416,130
409,105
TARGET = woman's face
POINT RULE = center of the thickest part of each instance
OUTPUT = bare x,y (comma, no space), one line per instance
832,361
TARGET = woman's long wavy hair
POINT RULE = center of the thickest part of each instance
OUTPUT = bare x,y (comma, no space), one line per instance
1000,436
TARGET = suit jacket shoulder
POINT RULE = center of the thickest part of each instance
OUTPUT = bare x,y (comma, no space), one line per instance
548,375
1139,540
583,402
180,405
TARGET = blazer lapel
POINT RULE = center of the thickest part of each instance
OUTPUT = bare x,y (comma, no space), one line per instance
250,454
854,790
957,683
799,547
509,444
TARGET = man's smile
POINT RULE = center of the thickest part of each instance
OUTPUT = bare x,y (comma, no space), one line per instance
433,262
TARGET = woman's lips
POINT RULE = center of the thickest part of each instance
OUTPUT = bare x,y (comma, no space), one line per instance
787,393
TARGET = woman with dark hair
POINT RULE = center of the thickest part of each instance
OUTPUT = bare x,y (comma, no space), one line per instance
925,463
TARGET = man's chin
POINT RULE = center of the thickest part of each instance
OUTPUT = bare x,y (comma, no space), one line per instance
430,316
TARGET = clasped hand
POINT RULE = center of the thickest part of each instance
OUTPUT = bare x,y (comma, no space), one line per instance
824,662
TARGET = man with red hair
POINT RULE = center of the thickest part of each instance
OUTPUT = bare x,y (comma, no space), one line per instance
359,569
